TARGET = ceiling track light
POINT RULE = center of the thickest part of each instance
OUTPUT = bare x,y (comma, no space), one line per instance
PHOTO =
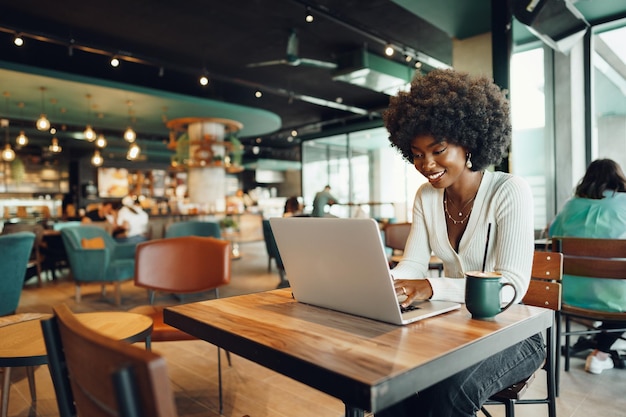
43,123
389,50
308,17
204,80
18,40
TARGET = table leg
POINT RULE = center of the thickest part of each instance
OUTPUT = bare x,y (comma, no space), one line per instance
354,411
6,386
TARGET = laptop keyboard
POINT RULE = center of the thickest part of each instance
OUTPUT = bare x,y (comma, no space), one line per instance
408,308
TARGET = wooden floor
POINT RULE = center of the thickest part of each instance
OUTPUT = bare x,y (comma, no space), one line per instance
252,390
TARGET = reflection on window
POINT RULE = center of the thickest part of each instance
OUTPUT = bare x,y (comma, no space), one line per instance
368,177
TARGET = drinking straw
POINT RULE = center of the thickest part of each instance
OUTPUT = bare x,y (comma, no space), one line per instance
486,246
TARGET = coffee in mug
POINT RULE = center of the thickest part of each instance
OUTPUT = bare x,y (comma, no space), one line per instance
482,294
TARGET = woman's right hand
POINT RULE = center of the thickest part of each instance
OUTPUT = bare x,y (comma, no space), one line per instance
413,289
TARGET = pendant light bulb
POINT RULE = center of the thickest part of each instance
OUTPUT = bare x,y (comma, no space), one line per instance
22,139
96,159
89,133
130,135
54,147
133,152
101,142
43,123
8,154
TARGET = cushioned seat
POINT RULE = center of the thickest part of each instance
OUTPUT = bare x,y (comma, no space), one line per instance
181,265
15,250
95,257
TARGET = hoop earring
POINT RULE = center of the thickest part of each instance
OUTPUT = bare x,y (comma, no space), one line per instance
468,163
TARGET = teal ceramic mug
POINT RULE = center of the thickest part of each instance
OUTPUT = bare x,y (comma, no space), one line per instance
482,294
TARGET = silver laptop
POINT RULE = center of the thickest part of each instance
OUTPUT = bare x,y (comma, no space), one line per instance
341,264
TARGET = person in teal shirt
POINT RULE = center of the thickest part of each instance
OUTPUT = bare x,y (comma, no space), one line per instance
321,200
597,210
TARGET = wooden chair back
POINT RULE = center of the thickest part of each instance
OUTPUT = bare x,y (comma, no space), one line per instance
545,283
544,291
396,235
593,258
97,376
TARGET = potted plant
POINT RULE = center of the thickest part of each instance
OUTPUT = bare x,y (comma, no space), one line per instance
228,224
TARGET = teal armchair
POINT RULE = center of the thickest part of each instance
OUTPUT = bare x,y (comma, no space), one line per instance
15,250
95,257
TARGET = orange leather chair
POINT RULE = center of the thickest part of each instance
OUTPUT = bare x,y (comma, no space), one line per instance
181,265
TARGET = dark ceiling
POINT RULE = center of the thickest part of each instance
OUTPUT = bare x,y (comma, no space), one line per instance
165,46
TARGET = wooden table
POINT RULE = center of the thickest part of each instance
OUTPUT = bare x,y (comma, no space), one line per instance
22,344
367,364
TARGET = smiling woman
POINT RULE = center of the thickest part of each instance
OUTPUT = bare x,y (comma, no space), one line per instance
451,126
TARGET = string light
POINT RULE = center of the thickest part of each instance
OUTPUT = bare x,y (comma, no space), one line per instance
18,40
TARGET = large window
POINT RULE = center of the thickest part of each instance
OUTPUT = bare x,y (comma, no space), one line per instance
609,93
368,177
529,148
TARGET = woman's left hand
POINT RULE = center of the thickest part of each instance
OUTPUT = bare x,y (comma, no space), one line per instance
413,289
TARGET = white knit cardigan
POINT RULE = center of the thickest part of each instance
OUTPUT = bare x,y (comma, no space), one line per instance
505,201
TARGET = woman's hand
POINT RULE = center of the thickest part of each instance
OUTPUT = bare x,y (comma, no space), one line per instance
413,289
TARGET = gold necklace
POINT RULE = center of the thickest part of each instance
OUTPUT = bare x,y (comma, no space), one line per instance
464,205
445,204
445,208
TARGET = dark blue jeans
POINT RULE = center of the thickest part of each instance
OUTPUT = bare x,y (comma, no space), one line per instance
462,394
